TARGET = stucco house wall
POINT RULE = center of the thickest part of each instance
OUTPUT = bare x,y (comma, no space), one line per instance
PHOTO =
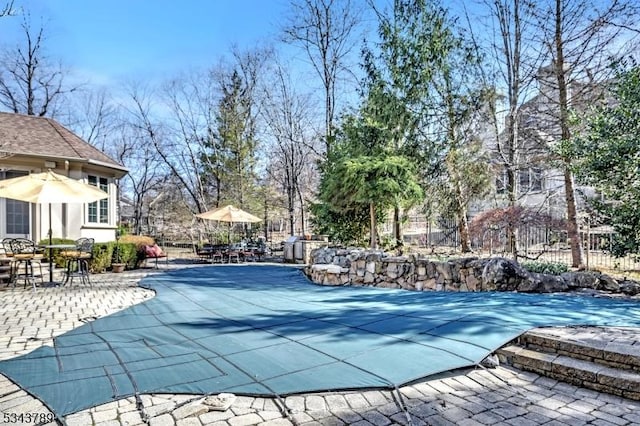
30,144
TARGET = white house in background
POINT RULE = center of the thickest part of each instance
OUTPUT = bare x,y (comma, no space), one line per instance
30,144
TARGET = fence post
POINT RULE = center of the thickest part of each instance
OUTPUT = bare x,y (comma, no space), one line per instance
588,250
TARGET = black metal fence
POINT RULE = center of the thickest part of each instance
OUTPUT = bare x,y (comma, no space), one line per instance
534,243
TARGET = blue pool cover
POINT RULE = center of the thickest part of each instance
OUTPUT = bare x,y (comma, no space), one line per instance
265,330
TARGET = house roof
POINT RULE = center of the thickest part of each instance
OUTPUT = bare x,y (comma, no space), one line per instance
43,137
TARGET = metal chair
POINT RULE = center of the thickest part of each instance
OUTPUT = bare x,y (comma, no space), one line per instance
217,256
233,254
77,261
6,246
26,254
6,262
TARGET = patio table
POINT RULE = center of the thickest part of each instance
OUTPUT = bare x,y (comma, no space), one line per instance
50,247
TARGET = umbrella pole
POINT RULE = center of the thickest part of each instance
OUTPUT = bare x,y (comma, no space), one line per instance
50,248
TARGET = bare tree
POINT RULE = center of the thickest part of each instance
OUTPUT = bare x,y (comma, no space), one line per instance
287,115
181,157
513,60
29,82
191,100
325,29
581,39
93,116
7,9
183,124
146,173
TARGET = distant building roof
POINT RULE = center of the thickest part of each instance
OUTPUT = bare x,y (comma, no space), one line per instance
44,137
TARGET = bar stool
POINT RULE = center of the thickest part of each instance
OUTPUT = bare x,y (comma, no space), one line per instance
77,261
25,254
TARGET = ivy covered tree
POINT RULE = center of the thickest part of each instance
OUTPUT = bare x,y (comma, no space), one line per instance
607,157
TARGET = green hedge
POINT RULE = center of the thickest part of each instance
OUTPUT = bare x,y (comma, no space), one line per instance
103,254
551,268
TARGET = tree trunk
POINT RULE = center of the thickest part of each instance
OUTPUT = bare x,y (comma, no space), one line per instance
291,222
291,201
463,227
461,213
563,103
372,232
397,227
302,221
512,179
573,231
266,220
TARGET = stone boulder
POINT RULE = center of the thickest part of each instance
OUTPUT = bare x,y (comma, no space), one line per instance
374,255
608,283
342,261
543,283
322,256
501,274
581,279
630,288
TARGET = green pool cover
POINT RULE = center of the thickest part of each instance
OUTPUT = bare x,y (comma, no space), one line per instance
265,330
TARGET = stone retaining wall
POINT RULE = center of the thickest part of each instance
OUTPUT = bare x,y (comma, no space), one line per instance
331,266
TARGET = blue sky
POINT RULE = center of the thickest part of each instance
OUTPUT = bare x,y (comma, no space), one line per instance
111,40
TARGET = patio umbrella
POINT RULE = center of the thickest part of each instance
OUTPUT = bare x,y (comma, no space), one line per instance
49,187
229,214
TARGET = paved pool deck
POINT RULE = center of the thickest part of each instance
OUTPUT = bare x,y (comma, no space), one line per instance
498,396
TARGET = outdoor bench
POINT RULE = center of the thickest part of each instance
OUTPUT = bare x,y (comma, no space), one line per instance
155,252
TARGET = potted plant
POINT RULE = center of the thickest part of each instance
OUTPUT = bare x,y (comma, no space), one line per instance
117,265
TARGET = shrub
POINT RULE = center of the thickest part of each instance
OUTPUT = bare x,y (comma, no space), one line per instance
58,259
101,257
138,240
551,268
128,253
498,221
103,254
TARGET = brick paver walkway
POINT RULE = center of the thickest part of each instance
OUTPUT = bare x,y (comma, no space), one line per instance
499,396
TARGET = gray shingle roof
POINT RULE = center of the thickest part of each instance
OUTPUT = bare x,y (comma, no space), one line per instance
41,136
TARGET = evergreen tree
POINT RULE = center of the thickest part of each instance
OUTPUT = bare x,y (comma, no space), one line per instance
364,177
425,72
232,145
607,157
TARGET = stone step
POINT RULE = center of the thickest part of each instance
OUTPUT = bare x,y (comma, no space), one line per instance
588,374
588,347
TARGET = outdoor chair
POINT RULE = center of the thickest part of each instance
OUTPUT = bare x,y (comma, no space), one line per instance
154,252
77,261
26,255
6,262
6,247
248,255
205,252
217,256
233,254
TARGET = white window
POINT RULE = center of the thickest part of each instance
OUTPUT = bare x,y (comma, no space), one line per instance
98,211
